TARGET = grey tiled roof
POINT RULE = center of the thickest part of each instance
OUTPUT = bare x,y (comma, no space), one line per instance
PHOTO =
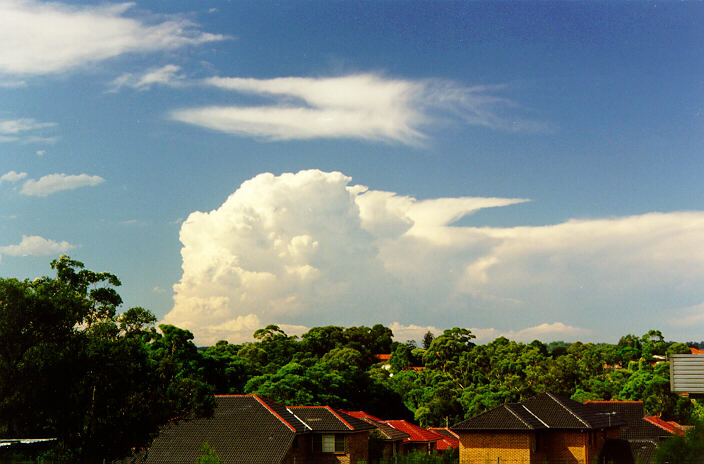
243,430
326,419
632,413
388,432
542,411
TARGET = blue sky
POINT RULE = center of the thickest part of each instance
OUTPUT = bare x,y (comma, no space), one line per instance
531,169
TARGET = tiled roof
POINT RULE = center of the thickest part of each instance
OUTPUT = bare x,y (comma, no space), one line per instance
542,411
326,419
695,351
636,427
669,426
243,429
415,432
362,415
387,432
449,438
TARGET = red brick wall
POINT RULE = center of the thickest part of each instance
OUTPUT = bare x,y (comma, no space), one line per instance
356,451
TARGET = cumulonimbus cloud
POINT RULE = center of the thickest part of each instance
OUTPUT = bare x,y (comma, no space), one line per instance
34,245
364,106
48,37
310,249
53,183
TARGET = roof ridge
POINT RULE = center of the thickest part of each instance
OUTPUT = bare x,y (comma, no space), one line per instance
656,421
340,418
531,413
517,416
558,401
299,419
263,403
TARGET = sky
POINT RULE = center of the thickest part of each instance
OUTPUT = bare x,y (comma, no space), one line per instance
522,169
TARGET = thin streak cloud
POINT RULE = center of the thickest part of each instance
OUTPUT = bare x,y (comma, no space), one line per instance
362,106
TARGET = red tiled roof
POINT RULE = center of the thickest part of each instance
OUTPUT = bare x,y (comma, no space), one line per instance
696,351
362,415
671,427
383,356
415,432
449,438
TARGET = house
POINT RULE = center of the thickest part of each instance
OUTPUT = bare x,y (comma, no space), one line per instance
544,428
249,429
335,436
450,439
386,441
419,439
641,432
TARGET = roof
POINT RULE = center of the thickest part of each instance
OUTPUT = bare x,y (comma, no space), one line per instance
637,427
387,432
383,356
244,428
695,351
543,411
669,426
415,432
449,439
362,415
326,419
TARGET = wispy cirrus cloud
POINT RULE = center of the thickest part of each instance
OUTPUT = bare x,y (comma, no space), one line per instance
53,183
25,130
363,106
49,37
165,75
34,245
12,176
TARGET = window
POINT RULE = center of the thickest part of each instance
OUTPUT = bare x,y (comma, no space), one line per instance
329,443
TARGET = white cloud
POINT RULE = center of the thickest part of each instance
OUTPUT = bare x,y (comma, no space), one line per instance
311,249
34,245
41,38
544,332
365,106
53,183
165,75
12,176
40,152
24,130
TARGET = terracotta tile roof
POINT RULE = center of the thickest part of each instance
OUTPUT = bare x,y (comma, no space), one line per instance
415,432
387,432
696,351
326,419
542,411
383,357
669,426
244,428
362,415
449,439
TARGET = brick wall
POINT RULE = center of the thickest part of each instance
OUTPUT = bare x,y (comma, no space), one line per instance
356,451
483,447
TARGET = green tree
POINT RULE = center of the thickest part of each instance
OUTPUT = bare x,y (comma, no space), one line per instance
71,368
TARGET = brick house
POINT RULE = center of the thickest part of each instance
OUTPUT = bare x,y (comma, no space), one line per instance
249,429
544,428
641,433
385,442
335,437
419,439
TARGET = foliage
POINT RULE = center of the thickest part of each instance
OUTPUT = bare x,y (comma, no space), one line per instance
688,449
71,368
208,455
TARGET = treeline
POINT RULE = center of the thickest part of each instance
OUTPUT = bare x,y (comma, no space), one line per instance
102,382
